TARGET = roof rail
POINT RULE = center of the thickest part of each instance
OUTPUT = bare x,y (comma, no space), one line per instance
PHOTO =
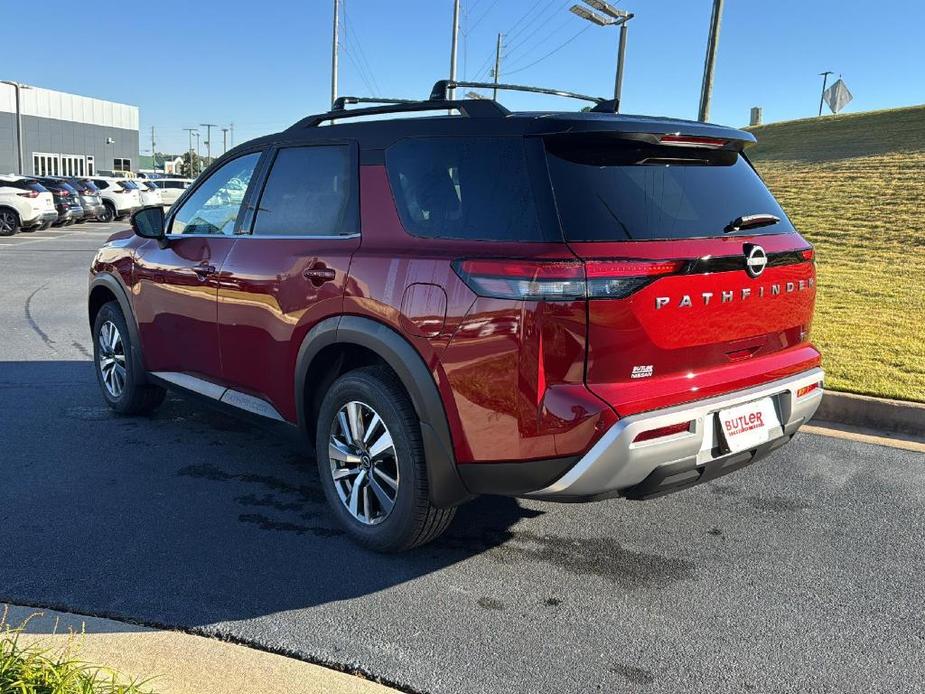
471,108
441,89
341,102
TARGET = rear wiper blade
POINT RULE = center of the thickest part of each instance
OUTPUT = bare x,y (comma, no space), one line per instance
751,221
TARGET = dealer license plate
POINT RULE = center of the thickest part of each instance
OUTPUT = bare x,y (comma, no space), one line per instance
748,426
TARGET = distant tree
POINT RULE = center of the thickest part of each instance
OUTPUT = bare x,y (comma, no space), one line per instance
191,172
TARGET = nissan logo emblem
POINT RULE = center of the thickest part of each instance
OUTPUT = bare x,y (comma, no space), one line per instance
755,260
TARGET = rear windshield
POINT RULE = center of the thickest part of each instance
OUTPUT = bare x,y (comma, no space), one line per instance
464,188
609,189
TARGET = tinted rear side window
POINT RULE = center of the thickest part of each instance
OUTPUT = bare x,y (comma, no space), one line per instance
608,189
464,188
309,192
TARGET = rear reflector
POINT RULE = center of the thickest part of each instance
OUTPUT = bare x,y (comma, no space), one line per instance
809,254
662,432
561,280
806,390
693,141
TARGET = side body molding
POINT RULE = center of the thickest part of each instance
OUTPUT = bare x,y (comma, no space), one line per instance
117,289
446,486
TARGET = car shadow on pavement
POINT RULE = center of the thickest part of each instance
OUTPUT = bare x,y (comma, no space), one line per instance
190,516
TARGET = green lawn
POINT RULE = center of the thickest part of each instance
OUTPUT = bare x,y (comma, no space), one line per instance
854,185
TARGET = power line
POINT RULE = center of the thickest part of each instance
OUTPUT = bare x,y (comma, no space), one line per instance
514,47
483,15
361,54
537,15
552,52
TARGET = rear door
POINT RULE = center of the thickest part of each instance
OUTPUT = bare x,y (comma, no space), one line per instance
697,281
289,272
176,285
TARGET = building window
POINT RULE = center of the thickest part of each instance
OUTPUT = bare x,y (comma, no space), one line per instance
122,164
91,167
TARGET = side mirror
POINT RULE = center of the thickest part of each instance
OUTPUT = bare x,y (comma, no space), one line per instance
148,223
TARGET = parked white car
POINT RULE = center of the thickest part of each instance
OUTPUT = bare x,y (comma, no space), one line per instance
119,199
25,205
171,188
150,194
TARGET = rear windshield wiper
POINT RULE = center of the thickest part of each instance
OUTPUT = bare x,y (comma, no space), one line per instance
751,221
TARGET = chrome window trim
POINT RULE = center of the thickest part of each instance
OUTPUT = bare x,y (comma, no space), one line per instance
172,237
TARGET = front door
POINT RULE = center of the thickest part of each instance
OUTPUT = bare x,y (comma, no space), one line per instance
176,285
289,272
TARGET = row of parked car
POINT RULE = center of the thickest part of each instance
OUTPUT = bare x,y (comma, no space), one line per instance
31,203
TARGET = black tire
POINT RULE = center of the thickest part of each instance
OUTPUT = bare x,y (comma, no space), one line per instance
133,397
412,520
9,222
108,214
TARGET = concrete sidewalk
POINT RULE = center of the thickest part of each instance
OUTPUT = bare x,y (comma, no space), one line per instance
176,662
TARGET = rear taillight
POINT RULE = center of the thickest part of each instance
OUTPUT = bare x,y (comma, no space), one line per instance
809,254
561,280
557,280
662,432
29,194
693,141
616,279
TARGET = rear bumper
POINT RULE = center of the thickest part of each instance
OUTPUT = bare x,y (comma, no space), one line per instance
41,219
616,466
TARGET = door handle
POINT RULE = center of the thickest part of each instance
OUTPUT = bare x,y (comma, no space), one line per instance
203,270
319,275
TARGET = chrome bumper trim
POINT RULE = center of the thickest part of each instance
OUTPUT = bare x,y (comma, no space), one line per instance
615,463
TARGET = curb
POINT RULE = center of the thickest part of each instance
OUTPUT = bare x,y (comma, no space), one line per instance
896,416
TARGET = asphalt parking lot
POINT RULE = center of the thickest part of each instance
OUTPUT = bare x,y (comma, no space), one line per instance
800,574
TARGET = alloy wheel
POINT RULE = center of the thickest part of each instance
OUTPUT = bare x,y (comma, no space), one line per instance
364,463
112,358
7,223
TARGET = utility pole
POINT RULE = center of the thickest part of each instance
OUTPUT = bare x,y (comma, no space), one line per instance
454,46
198,155
334,40
208,127
497,65
191,131
153,150
231,129
825,79
706,89
224,140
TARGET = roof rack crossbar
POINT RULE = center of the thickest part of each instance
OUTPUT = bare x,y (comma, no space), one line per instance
441,89
471,108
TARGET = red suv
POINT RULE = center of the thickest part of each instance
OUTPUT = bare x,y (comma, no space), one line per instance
560,305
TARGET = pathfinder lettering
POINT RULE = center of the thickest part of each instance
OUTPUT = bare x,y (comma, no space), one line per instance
728,296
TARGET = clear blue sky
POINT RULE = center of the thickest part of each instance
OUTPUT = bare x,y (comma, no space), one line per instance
263,65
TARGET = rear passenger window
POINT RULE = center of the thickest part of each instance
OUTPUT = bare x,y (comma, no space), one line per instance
464,188
309,192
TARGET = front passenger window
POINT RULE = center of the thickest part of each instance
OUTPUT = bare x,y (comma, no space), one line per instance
216,204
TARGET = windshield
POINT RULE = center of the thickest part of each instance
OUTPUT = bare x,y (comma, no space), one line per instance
610,189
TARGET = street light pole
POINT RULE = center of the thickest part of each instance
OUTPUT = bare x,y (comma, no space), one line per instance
224,140
825,79
621,61
709,63
455,44
334,47
191,131
16,87
208,127
611,17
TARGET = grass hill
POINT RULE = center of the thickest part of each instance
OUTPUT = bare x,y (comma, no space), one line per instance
854,185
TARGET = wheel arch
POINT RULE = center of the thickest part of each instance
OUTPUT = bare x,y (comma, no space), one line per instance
104,288
368,339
